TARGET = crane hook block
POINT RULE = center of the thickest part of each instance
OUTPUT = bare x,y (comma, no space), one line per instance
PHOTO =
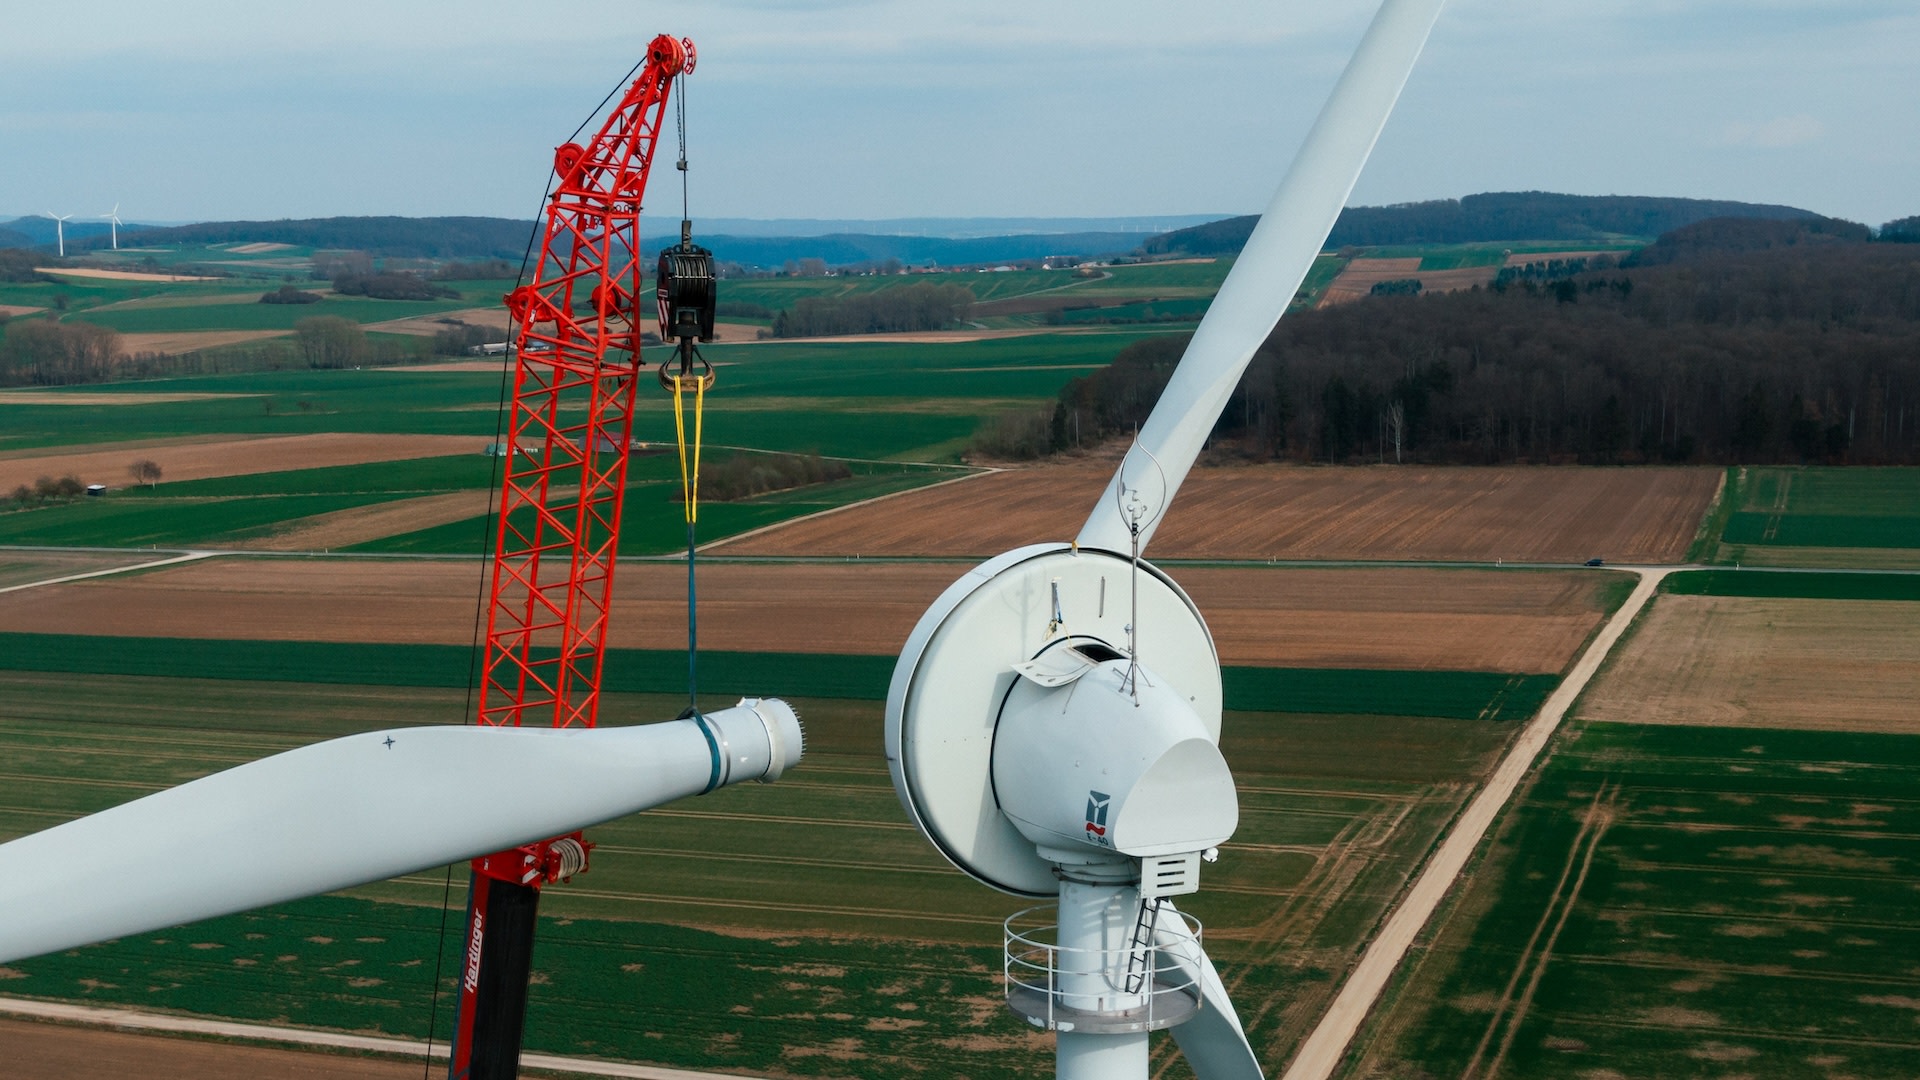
688,291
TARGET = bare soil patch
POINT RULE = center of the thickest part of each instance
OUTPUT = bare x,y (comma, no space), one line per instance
14,310
494,317
344,528
180,341
1543,514
1359,276
1839,665
227,456
1385,618
261,247
59,1052
115,275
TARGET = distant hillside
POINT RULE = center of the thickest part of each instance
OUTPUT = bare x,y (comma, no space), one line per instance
1904,231
1726,236
503,238
36,231
395,237
1523,215
768,252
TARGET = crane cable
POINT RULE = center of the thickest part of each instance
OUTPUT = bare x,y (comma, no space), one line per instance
679,382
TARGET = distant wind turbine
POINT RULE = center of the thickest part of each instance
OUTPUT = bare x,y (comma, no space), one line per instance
114,223
60,230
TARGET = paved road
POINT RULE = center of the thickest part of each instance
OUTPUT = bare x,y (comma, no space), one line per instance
1324,1049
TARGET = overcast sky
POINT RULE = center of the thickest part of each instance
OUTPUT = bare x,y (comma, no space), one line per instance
893,108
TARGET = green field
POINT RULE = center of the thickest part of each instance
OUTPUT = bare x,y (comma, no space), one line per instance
247,313
1680,901
1493,252
1822,516
875,403
837,925
1455,695
239,509
846,399
1810,585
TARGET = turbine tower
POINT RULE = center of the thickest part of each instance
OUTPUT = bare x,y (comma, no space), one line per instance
60,230
114,223
1053,723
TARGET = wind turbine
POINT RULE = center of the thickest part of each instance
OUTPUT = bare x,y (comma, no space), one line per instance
1053,722
60,230
113,218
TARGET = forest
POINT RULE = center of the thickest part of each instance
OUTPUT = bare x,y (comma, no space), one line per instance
1504,215
1727,341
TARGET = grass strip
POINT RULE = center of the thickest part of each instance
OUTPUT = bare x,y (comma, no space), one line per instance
1457,695
1464,695
1804,585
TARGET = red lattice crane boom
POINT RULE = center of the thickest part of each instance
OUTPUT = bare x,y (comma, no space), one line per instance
576,370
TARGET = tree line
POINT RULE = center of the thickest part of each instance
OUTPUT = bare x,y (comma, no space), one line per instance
922,305
1799,352
1504,215
43,352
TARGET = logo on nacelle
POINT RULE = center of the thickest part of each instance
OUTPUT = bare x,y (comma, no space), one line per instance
1097,804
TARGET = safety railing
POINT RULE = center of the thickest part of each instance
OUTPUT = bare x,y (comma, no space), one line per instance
1100,990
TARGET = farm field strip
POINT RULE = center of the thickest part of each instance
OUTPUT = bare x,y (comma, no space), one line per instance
1716,926
1768,662
109,571
1821,516
164,1059
1526,622
1518,514
212,456
1323,1051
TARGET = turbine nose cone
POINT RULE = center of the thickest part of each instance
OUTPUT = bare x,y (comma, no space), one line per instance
1093,764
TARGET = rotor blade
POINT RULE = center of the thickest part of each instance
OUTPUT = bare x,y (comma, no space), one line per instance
1213,1042
359,809
1266,275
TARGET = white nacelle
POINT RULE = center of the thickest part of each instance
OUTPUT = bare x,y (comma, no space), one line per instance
1080,766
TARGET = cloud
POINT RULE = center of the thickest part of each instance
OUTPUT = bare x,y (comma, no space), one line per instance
1777,134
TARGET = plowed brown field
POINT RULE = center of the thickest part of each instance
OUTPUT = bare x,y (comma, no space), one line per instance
58,1052
1842,665
200,458
1336,617
1282,512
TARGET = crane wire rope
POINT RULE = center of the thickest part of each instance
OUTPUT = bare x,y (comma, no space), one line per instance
500,433
679,382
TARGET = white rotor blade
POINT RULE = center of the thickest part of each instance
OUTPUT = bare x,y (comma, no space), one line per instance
1213,1042
1267,274
359,809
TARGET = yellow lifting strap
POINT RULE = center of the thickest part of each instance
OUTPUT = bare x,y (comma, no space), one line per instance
689,465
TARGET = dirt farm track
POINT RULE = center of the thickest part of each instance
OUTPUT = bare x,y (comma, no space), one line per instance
1437,619
1519,514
